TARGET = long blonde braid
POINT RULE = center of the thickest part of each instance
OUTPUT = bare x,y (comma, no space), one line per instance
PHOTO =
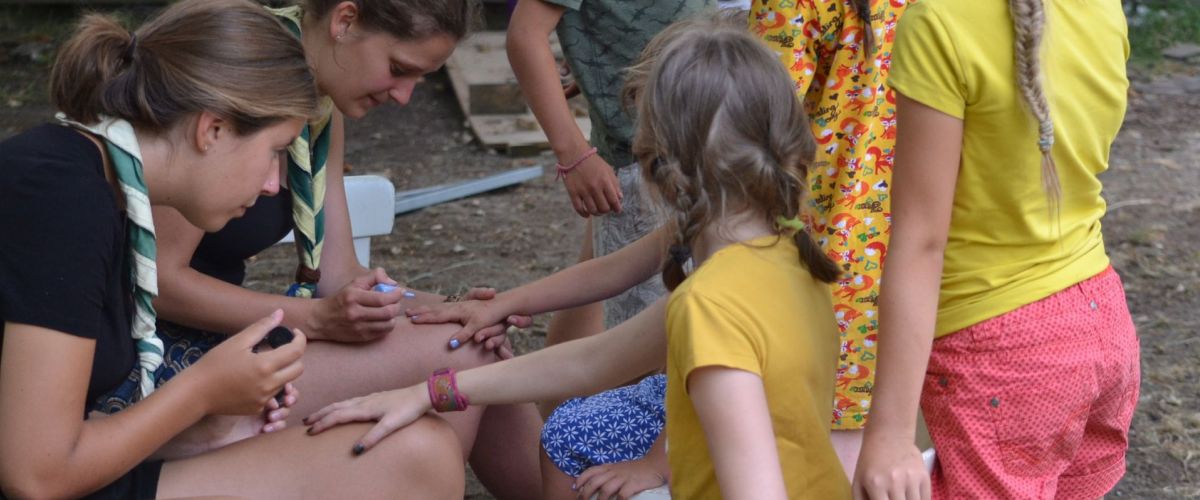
1029,23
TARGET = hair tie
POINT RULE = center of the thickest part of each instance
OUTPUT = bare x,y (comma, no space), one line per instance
127,56
680,254
793,223
1046,135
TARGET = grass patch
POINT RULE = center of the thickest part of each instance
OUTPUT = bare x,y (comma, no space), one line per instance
1157,24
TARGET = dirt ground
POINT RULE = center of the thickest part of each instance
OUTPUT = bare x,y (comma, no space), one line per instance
509,237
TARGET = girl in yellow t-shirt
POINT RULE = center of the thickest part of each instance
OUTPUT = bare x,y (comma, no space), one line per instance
751,339
839,53
1007,112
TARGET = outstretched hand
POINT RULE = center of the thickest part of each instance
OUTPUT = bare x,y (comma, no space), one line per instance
391,410
483,320
621,480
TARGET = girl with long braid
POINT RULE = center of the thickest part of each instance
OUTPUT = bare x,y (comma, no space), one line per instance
191,111
1007,111
750,340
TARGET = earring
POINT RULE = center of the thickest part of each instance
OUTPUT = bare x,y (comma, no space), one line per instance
206,148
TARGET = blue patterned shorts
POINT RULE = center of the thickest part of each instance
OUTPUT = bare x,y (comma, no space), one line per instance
614,426
182,347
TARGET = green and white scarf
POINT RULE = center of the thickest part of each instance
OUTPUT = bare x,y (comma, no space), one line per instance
126,158
306,180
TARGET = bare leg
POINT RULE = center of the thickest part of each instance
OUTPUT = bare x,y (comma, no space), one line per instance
506,449
419,461
556,484
576,323
506,437
847,444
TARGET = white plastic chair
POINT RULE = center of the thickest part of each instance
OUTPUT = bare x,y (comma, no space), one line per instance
372,203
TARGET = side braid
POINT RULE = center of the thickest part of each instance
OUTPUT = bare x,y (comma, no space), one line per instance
1029,22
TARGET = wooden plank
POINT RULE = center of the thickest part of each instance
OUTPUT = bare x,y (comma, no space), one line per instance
486,83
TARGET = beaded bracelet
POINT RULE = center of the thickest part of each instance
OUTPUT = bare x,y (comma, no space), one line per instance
563,170
443,392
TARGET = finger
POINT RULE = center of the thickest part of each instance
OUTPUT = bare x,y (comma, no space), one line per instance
580,207
520,321
369,309
373,436
587,475
594,483
480,293
279,415
926,489
613,194
493,342
291,395
504,352
253,335
601,200
440,313
912,490
344,415
325,410
590,205
489,332
381,276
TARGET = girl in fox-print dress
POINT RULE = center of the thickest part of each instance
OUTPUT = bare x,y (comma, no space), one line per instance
839,54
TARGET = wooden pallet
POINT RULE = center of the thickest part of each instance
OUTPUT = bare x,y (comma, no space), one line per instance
490,97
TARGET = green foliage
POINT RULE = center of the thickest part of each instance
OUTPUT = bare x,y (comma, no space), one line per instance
1157,24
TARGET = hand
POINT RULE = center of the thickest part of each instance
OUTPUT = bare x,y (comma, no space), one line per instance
234,380
484,321
892,469
622,480
593,188
392,410
357,313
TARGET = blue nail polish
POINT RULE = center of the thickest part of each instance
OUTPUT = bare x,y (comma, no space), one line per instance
383,287
454,343
409,295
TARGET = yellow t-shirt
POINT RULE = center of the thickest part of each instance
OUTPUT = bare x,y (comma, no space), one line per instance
758,310
1004,250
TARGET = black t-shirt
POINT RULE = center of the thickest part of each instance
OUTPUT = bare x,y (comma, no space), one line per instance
223,254
64,264
63,258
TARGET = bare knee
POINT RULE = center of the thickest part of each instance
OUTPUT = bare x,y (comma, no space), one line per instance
427,459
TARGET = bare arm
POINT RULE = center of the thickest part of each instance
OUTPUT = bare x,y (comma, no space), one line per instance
928,147
48,451
605,277
592,185
583,366
732,408
348,310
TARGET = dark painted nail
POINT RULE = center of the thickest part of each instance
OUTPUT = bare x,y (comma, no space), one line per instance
358,450
309,430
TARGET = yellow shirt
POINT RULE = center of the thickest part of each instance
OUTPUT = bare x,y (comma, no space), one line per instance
1004,250
758,310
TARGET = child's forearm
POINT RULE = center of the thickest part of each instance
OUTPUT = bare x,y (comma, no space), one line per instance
528,45
590,281
575,368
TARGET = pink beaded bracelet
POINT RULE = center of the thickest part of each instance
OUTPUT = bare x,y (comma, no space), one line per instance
443,392
563,170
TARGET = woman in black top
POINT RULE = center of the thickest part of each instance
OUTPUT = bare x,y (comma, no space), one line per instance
189,113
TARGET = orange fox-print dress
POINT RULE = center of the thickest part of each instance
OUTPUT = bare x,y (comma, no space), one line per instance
853,112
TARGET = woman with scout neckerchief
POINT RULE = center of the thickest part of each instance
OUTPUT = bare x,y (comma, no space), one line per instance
363,53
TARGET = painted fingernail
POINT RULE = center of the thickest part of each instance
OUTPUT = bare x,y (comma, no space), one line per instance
383,287
309,431
574,487
409,295
413,317
358,450
454,343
